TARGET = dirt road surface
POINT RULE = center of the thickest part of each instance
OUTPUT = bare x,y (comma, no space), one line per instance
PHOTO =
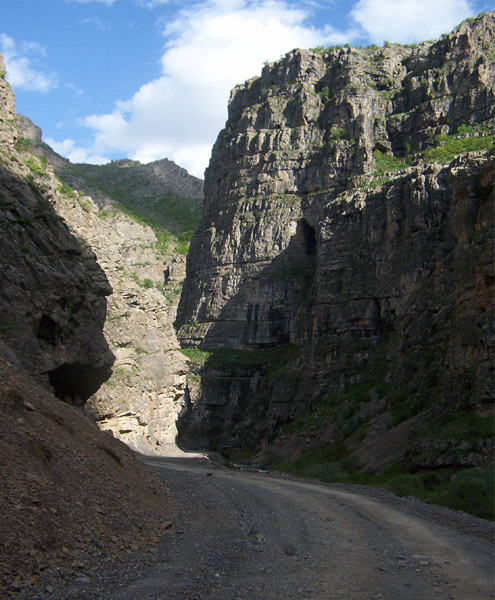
252,536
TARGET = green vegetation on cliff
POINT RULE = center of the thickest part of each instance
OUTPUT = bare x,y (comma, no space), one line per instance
135,192
230,358
161,195
447,147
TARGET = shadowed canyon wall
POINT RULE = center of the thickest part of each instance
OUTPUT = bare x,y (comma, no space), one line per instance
347,230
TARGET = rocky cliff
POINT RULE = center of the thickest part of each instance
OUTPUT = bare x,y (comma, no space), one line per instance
141,400
140,266
72,497
160,194
343,269
53,292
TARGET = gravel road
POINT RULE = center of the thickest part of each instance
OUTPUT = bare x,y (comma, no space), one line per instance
243,535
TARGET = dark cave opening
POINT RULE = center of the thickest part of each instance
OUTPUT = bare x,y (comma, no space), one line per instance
306,236
75,382
48,330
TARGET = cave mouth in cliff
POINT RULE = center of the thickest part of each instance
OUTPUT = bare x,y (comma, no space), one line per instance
306,236
75,382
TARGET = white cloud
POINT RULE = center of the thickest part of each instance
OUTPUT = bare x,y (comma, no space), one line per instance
98,23
210,47
409,20
33,47
21,73
69,149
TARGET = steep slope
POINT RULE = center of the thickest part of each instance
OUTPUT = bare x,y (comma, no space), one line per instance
165,195
72,497
345,257
160,194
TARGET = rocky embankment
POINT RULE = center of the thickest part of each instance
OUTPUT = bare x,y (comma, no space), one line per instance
72,497
344,263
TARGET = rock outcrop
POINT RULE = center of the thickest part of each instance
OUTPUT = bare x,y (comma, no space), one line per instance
53,317
73,498
53,292
347,229
142,399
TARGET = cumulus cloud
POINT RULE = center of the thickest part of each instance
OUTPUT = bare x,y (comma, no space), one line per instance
210,47
76,154
21,70
409,20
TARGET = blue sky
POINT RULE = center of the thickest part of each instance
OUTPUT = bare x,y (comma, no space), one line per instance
150,79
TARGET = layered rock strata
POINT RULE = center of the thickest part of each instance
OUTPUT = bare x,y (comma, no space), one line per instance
340,225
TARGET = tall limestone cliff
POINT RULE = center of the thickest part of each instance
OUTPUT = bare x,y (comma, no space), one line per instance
141,400
344,263
142,270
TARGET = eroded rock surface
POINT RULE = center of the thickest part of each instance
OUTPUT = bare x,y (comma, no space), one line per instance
140,402
53,292
337,223
53,316
73,498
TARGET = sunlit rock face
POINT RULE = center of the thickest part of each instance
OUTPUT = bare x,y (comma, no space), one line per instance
348,222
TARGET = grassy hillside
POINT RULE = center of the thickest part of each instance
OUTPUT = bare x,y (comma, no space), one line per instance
160,194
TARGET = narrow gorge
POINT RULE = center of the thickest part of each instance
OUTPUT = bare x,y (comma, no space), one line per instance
334,316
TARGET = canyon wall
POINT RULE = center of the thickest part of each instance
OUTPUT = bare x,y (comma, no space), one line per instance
140,401
71,495
53,292
99,333
347,230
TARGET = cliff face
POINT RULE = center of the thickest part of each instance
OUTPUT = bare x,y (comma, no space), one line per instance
53,292
341,231
141,400
70,495
139,403
160,195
